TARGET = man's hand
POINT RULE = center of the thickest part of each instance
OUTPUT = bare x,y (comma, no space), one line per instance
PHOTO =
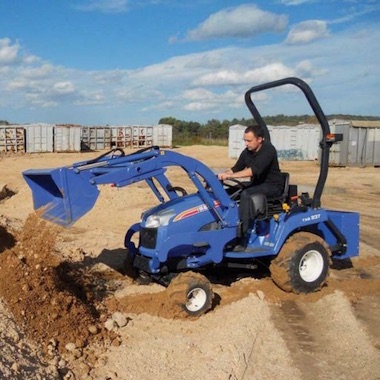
224,176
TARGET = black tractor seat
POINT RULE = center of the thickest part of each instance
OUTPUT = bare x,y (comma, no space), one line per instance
274,204
263,207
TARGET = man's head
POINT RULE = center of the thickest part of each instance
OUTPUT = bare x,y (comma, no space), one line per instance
253,138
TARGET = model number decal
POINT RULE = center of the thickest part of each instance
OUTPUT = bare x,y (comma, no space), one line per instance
311,217
193,211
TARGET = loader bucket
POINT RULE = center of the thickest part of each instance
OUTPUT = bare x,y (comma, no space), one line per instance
63,195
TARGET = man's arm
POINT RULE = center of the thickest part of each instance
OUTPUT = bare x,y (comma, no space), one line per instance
247,172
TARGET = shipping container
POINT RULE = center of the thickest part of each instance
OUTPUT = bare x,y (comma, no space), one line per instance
296,143
67,138
364,143
360,145
12,139
162,135
236,140
339,151
142,136
299,142
95,138
39,137
121,136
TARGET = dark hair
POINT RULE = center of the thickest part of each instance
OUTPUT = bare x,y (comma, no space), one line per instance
255,129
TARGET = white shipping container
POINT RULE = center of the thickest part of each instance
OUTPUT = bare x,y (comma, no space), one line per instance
67,138
292,143
163,135
235,140
296,143
39,137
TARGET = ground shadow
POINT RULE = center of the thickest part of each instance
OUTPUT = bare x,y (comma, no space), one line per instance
223,275
113,258
7,240
338,264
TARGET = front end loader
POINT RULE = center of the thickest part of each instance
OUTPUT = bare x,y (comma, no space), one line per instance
187,233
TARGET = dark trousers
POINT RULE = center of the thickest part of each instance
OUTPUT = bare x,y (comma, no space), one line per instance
245,207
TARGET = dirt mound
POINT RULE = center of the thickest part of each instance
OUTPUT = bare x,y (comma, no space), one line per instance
44,294
63,301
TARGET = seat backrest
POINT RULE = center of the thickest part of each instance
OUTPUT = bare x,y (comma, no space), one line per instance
285,191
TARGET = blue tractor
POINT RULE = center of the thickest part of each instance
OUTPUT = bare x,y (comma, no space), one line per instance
187,233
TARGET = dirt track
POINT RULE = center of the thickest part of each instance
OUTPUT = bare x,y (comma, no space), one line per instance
60,286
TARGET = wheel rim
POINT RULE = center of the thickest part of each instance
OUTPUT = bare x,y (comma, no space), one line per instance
311,266
196,299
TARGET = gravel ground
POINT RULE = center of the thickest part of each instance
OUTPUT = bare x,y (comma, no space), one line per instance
67,311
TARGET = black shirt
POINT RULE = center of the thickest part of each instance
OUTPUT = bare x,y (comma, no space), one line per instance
264,165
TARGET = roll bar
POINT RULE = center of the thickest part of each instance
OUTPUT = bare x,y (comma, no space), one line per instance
327,140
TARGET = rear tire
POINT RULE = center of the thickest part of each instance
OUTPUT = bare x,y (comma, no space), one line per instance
191,292
302,266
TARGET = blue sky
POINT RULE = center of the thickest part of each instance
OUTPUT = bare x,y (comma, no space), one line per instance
97,62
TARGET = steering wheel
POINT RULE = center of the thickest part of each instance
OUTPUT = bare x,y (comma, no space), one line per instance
235,189
178,189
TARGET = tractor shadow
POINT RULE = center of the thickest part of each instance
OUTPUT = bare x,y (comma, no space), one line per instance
86,279
227,276
112,258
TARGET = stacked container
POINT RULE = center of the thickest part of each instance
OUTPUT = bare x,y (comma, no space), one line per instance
12,139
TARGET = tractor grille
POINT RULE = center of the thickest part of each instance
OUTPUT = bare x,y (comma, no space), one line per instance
148,237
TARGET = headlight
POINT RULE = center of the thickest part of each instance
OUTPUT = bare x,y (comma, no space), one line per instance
159,219
152,221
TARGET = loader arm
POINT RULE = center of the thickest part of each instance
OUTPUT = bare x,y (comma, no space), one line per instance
66,194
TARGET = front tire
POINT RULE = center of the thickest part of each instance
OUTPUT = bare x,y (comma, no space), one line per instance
191,292
302,266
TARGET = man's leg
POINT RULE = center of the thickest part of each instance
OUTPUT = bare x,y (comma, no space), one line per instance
244,211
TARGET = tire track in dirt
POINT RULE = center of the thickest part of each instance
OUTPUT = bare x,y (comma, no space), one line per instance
292,322
330,339
370,320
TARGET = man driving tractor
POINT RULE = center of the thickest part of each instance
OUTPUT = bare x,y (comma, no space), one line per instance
259,162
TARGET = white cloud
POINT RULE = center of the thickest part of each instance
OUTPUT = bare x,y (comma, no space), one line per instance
104,6
35,100
261,74
243,21
296,2
198,94
202,99
8,52
305,69
307,31
217,78
42,71
63,88
17,84
90,98
30,59
199,106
